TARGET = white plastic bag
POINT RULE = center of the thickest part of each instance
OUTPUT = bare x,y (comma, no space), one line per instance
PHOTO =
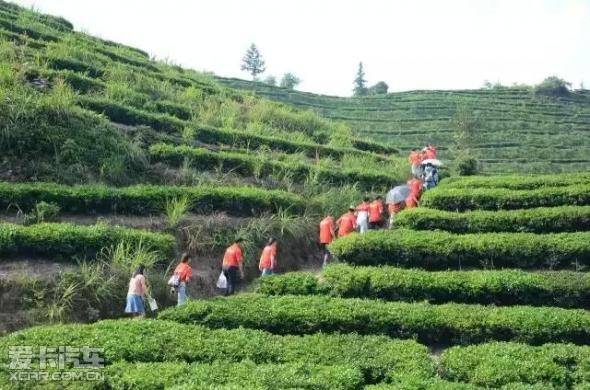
222,281
153,304
174,281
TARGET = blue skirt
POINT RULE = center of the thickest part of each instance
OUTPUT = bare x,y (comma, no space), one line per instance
134,304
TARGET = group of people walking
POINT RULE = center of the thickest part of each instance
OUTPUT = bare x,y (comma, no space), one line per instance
370,214
232,270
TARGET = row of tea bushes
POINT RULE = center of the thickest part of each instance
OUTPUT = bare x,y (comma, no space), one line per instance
442,250
537,220
257,166
493,365
151,341
448,323
502,287
249,140
65,241
149,199
517,182
222,375
462,199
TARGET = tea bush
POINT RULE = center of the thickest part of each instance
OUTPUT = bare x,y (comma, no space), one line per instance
461,199
441,250
232,375
146,199
152,341
537,220
64,241
501,287
448,323
517,182
493,365
255,165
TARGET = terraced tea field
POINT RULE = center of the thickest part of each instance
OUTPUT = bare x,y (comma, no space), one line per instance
516,131
483,298
111,159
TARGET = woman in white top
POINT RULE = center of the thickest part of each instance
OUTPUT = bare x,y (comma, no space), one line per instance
136,294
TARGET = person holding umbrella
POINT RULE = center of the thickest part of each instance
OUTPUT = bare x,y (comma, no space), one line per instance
395,201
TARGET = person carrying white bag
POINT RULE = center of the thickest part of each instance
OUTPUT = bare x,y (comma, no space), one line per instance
182,275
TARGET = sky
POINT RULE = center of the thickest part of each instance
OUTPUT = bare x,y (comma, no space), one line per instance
411,44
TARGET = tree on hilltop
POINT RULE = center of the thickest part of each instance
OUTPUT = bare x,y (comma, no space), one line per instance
380,88
290,81
252,62
553,86
360,84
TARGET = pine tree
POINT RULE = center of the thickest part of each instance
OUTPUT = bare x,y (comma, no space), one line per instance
252,62
360,88
290,81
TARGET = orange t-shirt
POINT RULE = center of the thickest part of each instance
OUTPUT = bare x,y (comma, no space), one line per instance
415,187
268,253
327,230
363,207
411,201
430,153
233,256
184,272
415,158
375,211
346,224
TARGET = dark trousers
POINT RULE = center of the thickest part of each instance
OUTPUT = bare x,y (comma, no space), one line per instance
231,274
376,225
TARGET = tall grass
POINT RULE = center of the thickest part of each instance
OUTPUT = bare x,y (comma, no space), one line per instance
176,209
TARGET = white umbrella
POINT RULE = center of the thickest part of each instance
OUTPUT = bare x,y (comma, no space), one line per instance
397,194
433,161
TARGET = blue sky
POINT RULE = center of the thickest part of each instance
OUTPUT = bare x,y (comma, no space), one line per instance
419,44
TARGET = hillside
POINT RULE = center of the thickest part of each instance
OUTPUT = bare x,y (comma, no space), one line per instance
110,158
515,130
476,299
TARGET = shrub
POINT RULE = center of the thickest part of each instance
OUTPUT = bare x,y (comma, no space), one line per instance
502,287
466,165
233,375
461,199
553,86
146,199
64,240
494,365
242,139
255,165
120,113
539,220
448,323
440,250
42,212
516,182
151,341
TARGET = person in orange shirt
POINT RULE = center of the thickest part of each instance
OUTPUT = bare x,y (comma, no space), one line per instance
362,215
376,213
327,234
416,186
393,209
184,272
232,266
430,152
412,201
268,258
415,160
346,223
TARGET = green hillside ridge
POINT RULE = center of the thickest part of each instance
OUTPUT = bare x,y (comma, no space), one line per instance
515,130
78,109
111,160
